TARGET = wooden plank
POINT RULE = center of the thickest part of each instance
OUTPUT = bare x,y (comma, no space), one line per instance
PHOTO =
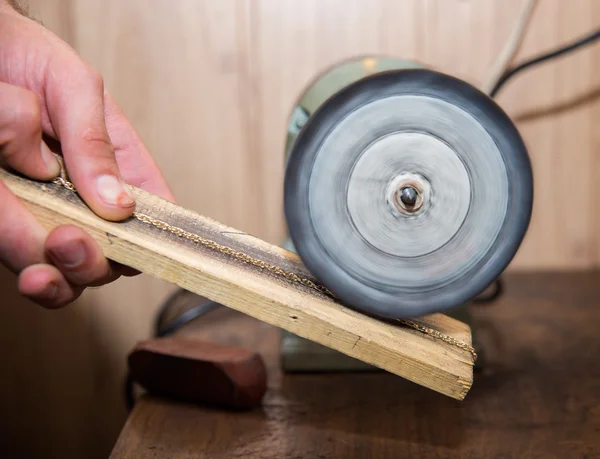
258,292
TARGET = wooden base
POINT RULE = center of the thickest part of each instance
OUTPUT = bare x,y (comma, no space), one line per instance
536,398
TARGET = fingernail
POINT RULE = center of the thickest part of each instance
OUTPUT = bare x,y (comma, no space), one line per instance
69,255
113,192
51,291
50,160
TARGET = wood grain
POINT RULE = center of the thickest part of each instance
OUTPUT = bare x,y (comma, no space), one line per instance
254,291
536,396
209,85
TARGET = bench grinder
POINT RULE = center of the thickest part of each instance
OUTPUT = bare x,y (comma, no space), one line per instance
407,192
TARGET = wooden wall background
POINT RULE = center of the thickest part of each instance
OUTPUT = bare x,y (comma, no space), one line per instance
209,85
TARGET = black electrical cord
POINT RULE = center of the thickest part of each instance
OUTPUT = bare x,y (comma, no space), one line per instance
186,318
495,293
498,286
161,330
568,48
163,310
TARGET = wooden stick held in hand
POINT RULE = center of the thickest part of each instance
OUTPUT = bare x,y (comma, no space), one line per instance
257,290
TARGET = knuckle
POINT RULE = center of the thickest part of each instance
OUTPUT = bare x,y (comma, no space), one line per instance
92,76
25,114
98,137
92,135
99,149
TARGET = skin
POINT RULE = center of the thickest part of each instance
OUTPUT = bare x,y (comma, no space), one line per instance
50,95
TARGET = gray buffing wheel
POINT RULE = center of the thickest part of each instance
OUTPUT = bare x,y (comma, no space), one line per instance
408,192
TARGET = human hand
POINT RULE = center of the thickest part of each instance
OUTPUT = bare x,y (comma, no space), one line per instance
46,89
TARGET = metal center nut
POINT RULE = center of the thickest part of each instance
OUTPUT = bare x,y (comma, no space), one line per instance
407,193
409,197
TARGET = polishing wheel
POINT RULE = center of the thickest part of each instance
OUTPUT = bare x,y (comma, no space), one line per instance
407,192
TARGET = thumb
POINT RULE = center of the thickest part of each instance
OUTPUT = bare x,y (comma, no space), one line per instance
76,111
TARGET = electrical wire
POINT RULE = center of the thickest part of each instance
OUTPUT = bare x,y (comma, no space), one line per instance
186,318
163,310
498,286
495,293
512,46
161,330
566,49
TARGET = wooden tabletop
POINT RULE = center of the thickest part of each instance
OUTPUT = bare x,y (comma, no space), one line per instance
538,395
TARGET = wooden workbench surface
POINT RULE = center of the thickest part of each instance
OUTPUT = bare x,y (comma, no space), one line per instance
537,397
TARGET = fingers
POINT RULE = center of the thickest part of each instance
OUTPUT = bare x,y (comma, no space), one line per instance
47,286
26,248
75,100
78,257
22,250
21,143
137,166
68,105
21,235
77,263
